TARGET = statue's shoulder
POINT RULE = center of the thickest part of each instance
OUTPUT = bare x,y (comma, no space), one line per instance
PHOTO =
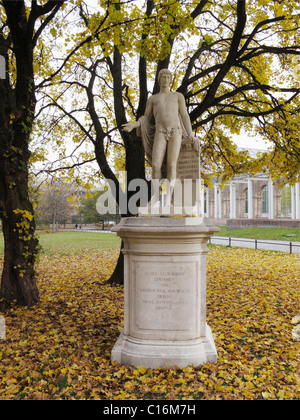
151,98
179,95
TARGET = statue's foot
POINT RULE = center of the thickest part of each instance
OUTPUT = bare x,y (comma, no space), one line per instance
154,203
152,208
168,202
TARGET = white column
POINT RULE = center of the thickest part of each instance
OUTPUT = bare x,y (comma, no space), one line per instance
250,199
293,203
220,203
216,200
271,199
207,202
297,201
232,194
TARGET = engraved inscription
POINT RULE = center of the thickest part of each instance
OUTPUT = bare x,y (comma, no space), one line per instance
188,166
165,296
188,171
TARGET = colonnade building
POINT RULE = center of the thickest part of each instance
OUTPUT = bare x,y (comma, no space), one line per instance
249,201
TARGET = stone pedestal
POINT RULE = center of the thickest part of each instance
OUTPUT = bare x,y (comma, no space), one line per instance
165,293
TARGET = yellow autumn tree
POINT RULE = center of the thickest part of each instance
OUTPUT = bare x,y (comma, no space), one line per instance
232,61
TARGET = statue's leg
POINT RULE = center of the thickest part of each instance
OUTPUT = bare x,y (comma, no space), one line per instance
158,154
174,145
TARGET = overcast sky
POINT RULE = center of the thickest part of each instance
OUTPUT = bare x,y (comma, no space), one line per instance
248,142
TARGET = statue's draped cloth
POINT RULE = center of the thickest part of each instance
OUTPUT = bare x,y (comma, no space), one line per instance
147,132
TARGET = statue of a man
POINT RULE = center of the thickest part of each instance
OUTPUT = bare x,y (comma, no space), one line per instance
162,142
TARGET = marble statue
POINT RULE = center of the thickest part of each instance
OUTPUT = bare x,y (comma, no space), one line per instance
162,141
165,256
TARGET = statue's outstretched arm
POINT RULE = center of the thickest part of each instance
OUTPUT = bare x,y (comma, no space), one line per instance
148,114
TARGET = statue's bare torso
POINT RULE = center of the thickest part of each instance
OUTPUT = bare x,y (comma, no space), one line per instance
166,110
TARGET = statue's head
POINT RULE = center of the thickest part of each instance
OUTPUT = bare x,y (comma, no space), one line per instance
164,71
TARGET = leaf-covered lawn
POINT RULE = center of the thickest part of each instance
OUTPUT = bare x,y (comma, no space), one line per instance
61,348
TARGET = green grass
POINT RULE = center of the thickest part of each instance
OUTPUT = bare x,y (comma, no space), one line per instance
268,233
66,243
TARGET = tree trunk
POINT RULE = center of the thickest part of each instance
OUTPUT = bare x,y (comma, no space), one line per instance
117,276
135,167
17,106
20,245
16,212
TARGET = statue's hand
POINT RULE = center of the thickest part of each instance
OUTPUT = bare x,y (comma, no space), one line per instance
196,143
128,127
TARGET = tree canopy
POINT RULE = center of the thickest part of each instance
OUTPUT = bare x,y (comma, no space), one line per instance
234,61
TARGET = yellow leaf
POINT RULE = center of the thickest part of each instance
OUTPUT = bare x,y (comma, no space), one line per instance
142,370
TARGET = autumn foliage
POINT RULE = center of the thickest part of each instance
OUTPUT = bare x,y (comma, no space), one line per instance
60,349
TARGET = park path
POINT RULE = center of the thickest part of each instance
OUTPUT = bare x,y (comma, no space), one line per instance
269,245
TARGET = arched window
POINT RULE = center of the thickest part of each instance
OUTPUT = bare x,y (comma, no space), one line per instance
265,200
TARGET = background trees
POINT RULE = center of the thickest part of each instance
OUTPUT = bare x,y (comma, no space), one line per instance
55,205
232,61
88,211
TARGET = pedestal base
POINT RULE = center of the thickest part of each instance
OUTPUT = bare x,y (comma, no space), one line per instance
157,354
165,293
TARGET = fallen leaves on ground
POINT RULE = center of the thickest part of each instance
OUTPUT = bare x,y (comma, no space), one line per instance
60,349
